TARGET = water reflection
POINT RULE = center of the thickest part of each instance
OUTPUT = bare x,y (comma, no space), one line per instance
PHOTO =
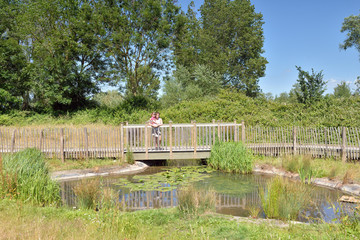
235,195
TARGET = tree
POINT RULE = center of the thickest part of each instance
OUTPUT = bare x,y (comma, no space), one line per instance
229,39
140,35
185,85
357,84
312,86
342,90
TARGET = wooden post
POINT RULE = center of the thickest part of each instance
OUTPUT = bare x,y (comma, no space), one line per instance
86,144
170,139
41,139
62,145
235,132
13,141
243,137
294,140
213,122
326,142
195,138
343,145
122,141
146,142
219,131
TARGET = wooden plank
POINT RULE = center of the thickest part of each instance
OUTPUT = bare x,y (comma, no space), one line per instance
343,145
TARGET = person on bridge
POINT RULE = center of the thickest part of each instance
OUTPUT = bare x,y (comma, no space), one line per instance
156,132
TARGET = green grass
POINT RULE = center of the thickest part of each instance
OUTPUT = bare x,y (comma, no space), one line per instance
24,221
330,168
25,176
231,157
57,165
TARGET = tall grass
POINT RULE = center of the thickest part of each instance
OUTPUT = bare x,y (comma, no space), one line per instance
88,193
231,157
283,199
25,176
194,201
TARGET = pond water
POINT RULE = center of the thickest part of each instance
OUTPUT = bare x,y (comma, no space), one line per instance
235,194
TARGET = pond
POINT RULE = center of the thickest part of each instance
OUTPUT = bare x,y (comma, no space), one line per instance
236,194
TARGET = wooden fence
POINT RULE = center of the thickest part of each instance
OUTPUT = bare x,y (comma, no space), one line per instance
103,142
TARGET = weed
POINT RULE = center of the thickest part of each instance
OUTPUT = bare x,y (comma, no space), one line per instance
88,193
349,177
193,201
130,156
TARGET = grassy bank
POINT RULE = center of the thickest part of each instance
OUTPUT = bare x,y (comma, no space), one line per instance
320,167
57,165
23,221
226,106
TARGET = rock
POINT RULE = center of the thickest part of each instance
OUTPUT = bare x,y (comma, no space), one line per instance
349,199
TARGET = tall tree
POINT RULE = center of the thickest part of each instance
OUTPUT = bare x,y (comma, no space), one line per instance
342,90
140,35
64,45
311,86
229,39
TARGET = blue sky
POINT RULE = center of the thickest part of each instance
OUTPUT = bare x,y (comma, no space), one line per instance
307,34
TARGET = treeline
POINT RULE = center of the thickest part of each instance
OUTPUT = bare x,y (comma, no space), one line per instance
226,106
56,54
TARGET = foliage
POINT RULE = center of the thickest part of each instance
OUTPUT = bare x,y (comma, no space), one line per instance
231,157
312,86
110,99
203,82
139,41
342,90
25,176
231,31
166,181
284,200
195,201
129,156
87,193
351,25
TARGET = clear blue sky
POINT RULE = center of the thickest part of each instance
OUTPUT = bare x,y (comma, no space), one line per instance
307,34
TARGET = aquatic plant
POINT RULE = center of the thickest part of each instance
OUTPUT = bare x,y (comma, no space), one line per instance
194,201
231,157
25,176
167,180
283,199
87,193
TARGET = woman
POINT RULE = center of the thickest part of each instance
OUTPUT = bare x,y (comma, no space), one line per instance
156,130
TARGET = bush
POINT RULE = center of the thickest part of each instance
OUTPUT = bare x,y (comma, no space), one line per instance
231,157
25,176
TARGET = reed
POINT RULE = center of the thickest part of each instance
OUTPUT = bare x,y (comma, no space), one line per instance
283,199
194,201
88,193
25,176
231,157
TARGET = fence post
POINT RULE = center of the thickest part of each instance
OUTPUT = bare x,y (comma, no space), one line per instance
146,142
86,143
62,145
219,131
213,122
195,138
294,141
326,141
41,139
170,139
235,132
122,141
243,131
13,141
343,145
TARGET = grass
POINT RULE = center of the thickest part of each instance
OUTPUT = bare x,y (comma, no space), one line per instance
24,221
25,176
231,157
195,201
330,168
56,164
283,199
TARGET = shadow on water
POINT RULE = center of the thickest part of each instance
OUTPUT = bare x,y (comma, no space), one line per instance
235,195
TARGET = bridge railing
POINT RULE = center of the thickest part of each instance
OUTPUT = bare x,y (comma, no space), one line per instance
115,141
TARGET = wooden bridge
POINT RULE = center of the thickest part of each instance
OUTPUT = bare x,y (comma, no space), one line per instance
179,141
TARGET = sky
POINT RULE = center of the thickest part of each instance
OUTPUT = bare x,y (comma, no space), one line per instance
307,34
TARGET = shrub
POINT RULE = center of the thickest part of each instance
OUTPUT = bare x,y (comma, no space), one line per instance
25,176
231,157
